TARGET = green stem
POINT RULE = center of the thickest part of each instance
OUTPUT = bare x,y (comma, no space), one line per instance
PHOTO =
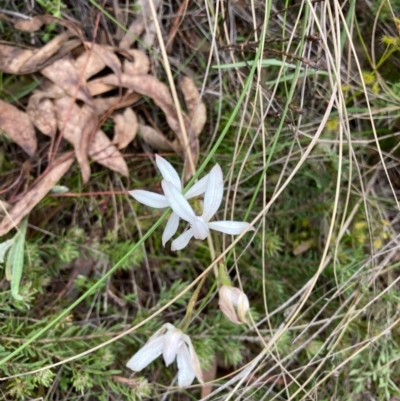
224,278
221,274
192,302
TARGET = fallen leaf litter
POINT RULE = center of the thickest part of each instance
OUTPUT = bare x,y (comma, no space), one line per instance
71,103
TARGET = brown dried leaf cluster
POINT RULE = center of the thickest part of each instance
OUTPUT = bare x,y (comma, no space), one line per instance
35,194
18,126
71,104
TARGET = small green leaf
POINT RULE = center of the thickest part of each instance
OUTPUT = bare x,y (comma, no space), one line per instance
59,189
4,247
15,260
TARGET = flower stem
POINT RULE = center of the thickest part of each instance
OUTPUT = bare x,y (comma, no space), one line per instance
223,276
192,302
214,236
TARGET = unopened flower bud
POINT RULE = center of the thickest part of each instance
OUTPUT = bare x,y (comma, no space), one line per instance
234,304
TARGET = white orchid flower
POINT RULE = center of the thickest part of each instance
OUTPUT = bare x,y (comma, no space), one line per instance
232,299
172,343
201,225
160,201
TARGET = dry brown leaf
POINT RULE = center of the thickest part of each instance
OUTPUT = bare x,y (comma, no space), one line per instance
95,58
89,124
96,87
150,32
64,74
155,139
209,376
137,27
36,23
197,116
104,104
14,60
121,16
196,108
150,86
69,119
106,53
125,129
23,207
104,152
140,64
42,112
51,90
134,31
63,50
90,64
77,124
17,125
29,25
5,207
303,247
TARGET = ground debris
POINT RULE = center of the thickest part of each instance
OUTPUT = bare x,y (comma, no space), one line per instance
64,74
155,138
24,206
197,114
42,112
76,125
18,126
14,60
70,103
142,22
102,151
126,126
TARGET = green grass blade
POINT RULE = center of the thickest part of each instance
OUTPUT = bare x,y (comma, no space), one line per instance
15,261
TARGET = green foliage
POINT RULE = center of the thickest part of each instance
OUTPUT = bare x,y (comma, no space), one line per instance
117,249
166,294
385,7
374,370
340,307
273,244
54,8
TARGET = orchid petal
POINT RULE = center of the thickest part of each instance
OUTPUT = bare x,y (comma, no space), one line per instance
167,326
230,227
160,332
200,229
168,172
198,188
214,192
243,306
170,228
195,360
186,372
152,350
177,202
180,242
150,198
172,342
